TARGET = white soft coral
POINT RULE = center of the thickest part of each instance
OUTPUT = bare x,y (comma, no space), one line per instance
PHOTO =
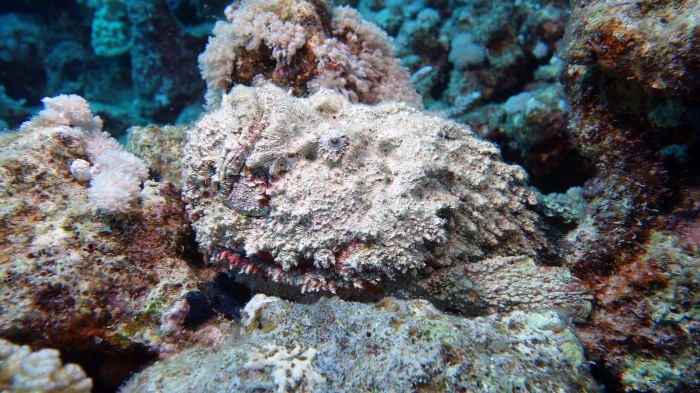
113,191
122,161
22,370
67,110
116,175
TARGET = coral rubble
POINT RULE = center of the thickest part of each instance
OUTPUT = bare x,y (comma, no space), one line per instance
394,345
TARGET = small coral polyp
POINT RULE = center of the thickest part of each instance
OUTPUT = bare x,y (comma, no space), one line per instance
341,195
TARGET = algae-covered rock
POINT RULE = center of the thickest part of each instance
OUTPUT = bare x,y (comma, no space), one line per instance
75,278
161,149
392,346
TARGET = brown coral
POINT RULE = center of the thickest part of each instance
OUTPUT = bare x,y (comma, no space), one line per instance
304,46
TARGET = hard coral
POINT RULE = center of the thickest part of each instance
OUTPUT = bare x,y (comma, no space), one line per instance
22,370
407,194
304,46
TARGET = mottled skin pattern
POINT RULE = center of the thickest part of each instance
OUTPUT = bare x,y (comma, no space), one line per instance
400,199
234,191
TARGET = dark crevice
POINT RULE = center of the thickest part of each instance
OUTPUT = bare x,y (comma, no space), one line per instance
109,372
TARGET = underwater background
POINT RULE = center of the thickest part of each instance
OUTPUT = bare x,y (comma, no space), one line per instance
372,195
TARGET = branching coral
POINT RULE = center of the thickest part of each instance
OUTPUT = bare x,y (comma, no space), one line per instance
291,369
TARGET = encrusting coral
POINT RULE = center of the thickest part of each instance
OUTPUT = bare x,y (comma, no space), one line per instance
391,346
323,194
304,46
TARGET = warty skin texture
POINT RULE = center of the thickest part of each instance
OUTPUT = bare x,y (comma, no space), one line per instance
402,195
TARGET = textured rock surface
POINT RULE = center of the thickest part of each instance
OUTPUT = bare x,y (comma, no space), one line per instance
644,332
322,194
394,345
73,278
631,77
160,148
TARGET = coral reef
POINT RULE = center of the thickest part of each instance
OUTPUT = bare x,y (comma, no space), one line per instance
490,47
162,54
471,59
74,278
531,129
134,60
394,345
22,370
643,331
9,108
631,75
323,194
316,172
617,100
304,46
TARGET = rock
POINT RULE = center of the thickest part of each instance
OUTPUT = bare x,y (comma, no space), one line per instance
161,149
394,345
74,278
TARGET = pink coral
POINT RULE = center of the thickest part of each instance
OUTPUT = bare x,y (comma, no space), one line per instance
304,46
